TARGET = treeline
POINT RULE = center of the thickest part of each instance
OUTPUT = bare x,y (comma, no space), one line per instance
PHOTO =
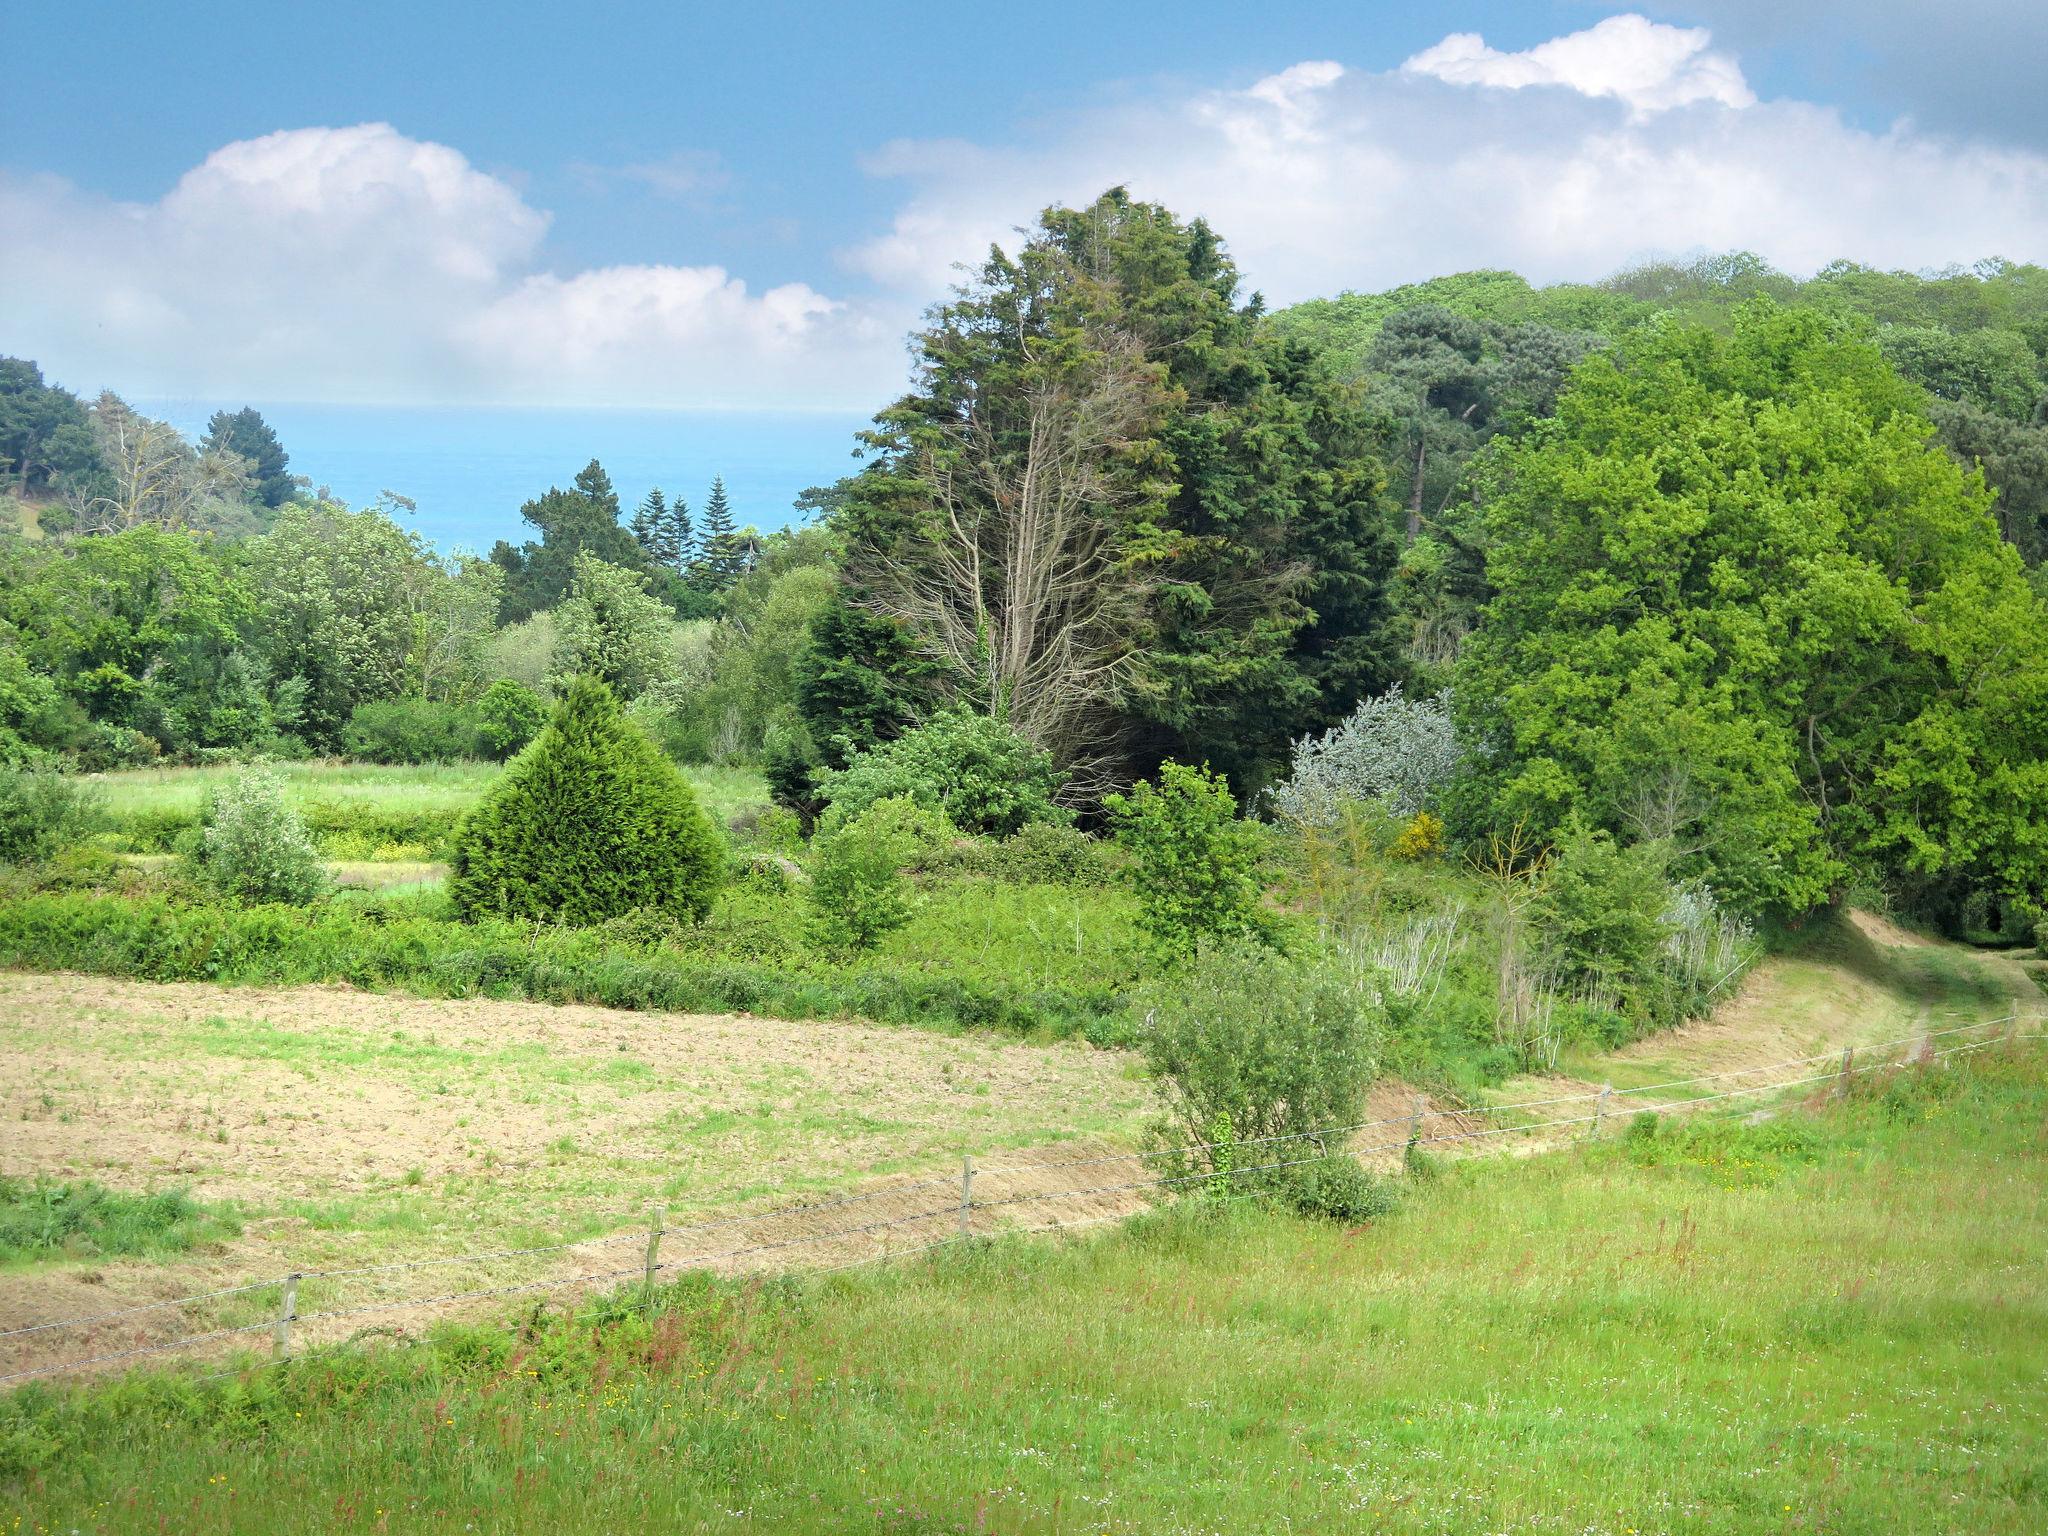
1705,569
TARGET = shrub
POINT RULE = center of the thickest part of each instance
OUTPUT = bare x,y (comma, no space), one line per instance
988,780
1041,853
920,838
1335,1187
408,731
42,812
253,846
1422,838
587,823
1396,751
1248,1047
1194,863
508,716
1599,915
858,895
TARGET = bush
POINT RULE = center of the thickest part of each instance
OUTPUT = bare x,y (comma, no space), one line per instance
409,731
919,838
42,812
254,846
858,895
587,823
988,780
1599,915
1393,751
1249,1047
1336,1188
1194,864
508,716
1045,854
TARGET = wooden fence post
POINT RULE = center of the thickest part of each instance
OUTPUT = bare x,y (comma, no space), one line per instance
1414,1126
1842,1077
657,1224
1600,1108
287,1314
966,1192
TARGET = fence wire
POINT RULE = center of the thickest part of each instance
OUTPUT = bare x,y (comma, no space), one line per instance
964,1211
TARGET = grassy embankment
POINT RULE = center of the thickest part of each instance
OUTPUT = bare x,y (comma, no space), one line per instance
1833,1321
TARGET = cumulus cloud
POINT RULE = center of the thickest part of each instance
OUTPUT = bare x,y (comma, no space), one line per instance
1651,67
1643,141
359,264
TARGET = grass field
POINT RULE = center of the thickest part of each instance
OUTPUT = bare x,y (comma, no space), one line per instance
1832,1322
148,805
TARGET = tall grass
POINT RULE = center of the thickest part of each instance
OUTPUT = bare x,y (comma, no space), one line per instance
1830,1325
49,1218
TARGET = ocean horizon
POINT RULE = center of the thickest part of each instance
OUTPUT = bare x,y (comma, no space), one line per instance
468,469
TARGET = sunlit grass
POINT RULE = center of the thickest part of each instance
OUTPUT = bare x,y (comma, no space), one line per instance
1849,1335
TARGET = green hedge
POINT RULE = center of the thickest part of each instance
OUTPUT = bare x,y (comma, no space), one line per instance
163,938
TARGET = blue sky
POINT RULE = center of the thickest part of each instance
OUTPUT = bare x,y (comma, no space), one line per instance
742,209
772,107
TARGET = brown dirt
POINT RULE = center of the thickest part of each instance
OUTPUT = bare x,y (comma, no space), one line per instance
325,1111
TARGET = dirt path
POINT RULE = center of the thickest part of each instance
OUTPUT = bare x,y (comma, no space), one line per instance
365,1130
1874,983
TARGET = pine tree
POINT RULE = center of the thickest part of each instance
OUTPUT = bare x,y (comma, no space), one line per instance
654,529
720,561
682,536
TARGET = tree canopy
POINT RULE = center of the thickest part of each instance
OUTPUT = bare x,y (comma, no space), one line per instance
1742,606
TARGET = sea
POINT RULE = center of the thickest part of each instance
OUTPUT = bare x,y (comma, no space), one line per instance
467,470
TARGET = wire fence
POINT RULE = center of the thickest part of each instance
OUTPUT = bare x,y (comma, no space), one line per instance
986,1198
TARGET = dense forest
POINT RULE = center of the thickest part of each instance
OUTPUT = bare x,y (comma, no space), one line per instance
1700,559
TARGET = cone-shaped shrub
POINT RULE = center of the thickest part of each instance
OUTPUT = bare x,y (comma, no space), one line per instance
589,822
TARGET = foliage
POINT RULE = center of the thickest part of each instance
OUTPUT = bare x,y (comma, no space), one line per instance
1396,751
588,822
1600,915
508,716
248,435
42,812
610,627
1421,838
1335,1187
583,520
46,439
986,778
254,846
409,731
1248,1046
46,1218
1124,513
339,589
1040,853
857,892
858,681
168,938
1193,863
1834,709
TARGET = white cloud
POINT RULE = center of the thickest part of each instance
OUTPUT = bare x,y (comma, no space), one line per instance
1648,142
359,264
1650,66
